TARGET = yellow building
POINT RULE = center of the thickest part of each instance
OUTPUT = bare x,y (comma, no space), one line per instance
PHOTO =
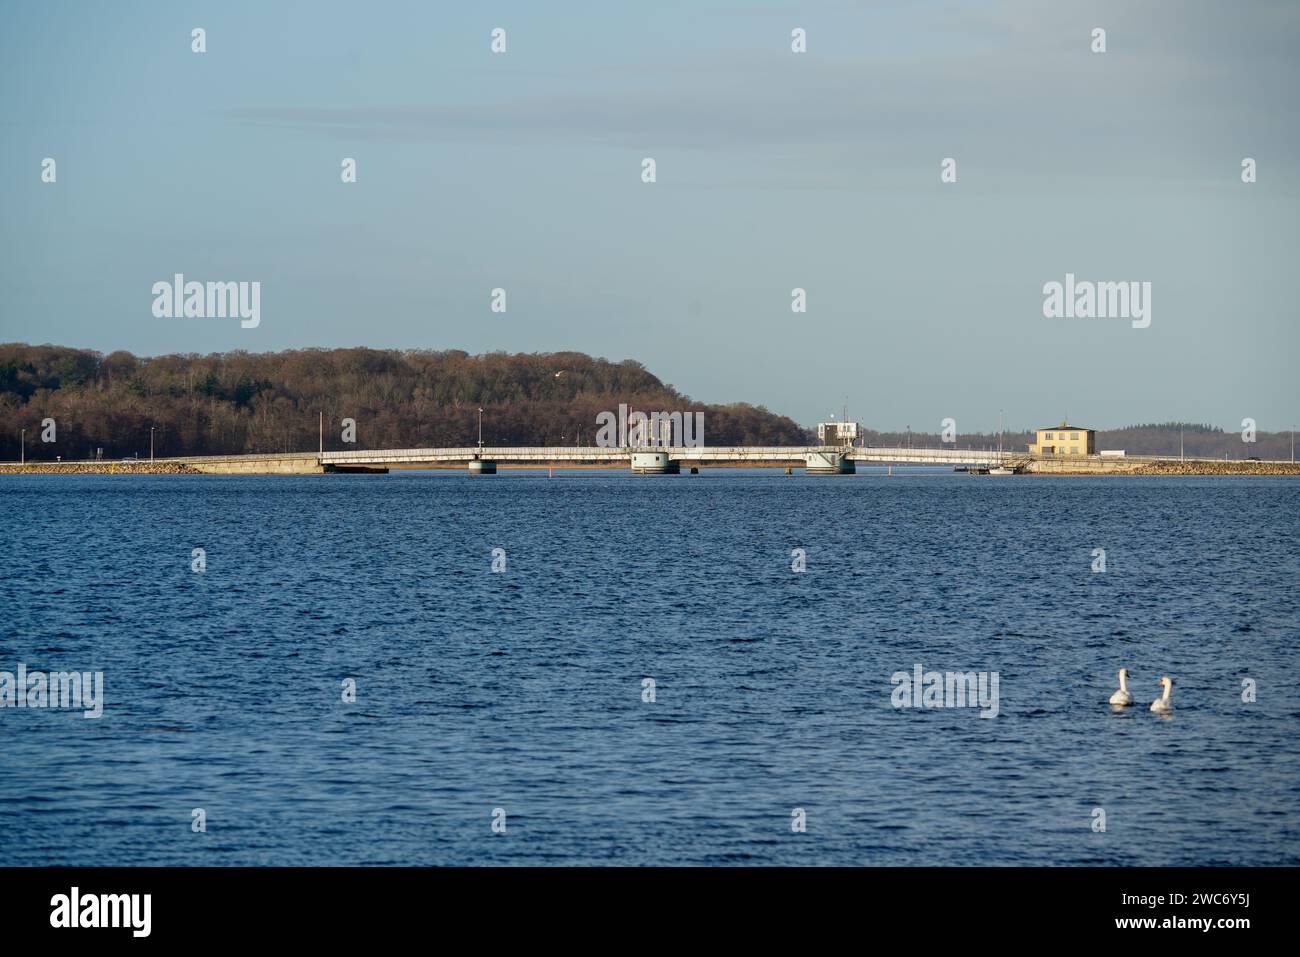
1065,439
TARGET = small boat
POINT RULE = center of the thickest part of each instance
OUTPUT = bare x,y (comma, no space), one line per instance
1000,469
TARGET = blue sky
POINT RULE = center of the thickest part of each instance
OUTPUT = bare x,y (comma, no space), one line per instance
775,170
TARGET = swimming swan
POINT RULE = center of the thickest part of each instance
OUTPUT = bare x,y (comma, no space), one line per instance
1122,697
1162,704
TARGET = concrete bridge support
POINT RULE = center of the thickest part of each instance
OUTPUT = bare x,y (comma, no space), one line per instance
830,463
654,463
482,467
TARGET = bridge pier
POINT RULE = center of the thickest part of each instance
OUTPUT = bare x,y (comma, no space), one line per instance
829,463
654,463
482,467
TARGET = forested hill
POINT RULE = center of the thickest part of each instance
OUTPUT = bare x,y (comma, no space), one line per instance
268,402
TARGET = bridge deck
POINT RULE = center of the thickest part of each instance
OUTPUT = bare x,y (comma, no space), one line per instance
614,457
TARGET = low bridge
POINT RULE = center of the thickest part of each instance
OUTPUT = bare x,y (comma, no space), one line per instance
813,459
485,460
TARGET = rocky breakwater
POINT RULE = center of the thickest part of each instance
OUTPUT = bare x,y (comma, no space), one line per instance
1206,467
98,468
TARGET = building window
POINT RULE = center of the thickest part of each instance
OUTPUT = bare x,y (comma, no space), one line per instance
1074,436
1048,436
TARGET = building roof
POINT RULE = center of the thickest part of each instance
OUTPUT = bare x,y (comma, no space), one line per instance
1065,427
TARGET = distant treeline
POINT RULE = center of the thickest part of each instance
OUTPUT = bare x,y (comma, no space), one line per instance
1198,441
268,402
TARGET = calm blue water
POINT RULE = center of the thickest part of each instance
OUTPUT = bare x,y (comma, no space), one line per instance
522,690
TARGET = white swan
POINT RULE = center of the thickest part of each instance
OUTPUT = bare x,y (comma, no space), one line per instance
1162,705
1122,697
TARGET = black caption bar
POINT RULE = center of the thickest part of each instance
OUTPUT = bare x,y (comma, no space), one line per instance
368,905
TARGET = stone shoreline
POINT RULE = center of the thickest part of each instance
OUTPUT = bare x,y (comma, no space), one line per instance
1175,467
98,468
1222,468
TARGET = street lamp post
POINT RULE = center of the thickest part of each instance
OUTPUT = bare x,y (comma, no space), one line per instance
151,428
480,428
23,439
